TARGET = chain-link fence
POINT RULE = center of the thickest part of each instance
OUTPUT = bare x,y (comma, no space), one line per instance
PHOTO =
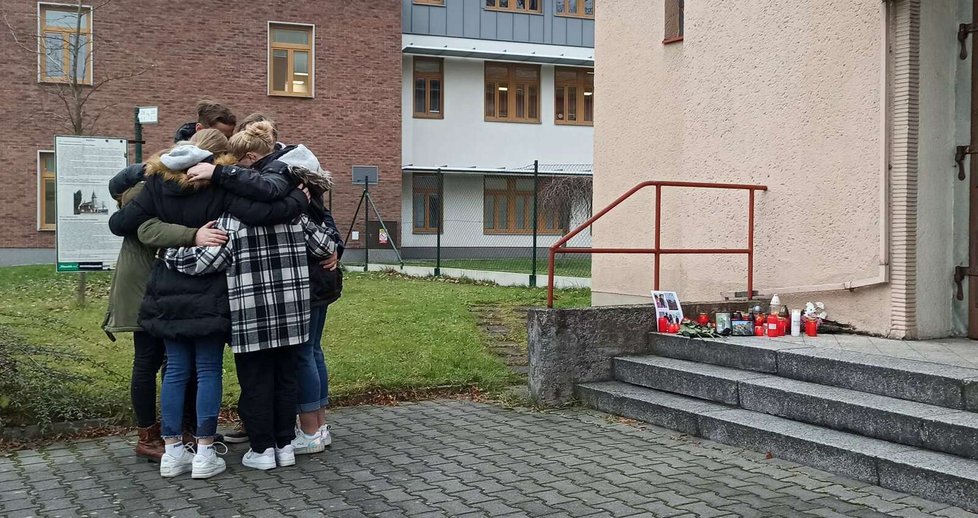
487,224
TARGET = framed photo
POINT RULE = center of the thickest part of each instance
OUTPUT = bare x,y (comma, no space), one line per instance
667,305
742,328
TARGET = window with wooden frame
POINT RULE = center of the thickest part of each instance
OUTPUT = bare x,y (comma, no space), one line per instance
512,92
65,45
290,60
675,21
518,6
508,208
574,96
46,196
429,78
576,8
426,204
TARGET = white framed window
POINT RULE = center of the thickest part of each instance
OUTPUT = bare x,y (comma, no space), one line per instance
291,59
64,34
46,191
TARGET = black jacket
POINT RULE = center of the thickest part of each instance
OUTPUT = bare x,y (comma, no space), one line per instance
183,307
185,132
325,286
269,179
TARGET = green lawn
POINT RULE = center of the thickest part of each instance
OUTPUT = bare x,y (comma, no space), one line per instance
386,332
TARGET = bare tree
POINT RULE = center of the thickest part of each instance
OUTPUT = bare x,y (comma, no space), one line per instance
567,196
74,89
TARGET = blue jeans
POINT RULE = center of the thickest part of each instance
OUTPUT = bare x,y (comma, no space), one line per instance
206,354
312,373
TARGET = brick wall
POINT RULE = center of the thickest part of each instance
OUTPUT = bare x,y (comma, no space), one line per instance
215,50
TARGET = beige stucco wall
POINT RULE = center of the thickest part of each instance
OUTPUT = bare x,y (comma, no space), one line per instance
774,92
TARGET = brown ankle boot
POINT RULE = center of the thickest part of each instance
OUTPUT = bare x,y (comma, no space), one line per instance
150,445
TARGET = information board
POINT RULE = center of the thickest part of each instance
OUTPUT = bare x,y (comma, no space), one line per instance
84,166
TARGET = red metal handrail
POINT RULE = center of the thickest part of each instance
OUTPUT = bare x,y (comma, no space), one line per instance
658,251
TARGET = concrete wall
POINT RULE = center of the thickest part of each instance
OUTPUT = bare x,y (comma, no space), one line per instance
463,138
571,346
784,95
944,98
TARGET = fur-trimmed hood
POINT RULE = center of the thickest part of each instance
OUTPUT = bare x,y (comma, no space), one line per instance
155,167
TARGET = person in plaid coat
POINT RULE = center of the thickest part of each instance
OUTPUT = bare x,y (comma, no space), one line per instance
268,292
269,306
267,376
266,180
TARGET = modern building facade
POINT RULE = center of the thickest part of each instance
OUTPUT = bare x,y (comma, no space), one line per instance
329,72
490,87
849,112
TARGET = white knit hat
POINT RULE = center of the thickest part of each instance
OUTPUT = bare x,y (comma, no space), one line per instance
184,156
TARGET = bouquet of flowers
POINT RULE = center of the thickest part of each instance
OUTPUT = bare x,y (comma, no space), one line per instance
815,311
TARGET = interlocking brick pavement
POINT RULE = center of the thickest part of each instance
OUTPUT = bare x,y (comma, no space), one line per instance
454,458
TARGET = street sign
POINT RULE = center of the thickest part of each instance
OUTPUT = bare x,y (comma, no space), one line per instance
366,174
148,114
84,166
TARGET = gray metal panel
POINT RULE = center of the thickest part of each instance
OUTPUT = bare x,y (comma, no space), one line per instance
471,17
419,19
504,26
558,35
575,28
587,39
521,27
538,29
406,16
487,29
438,21
455,19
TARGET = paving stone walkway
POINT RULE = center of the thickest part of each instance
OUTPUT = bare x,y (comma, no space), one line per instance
454,458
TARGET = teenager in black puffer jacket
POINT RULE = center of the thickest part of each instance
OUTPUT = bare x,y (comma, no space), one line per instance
191,314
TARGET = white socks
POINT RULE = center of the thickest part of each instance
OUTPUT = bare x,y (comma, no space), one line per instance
175,449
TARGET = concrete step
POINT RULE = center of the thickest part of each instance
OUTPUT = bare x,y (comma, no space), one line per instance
932,383
932,475
699,380
881,417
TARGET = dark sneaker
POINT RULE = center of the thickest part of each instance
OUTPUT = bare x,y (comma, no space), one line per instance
237,436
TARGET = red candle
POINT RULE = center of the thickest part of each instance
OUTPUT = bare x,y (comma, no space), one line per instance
663,325
703,319
674,328
772,326
811,327
758,330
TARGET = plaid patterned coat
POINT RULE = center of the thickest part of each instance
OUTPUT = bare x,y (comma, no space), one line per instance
268,278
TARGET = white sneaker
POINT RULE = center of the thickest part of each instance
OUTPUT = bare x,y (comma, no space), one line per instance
285,456
306,444
263,461
324,434
207,463
178,463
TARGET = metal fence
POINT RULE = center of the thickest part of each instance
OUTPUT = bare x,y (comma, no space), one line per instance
486,224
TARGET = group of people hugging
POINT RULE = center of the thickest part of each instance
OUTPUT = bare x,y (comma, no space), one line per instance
226,240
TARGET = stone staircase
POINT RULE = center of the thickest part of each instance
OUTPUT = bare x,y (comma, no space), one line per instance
905,425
